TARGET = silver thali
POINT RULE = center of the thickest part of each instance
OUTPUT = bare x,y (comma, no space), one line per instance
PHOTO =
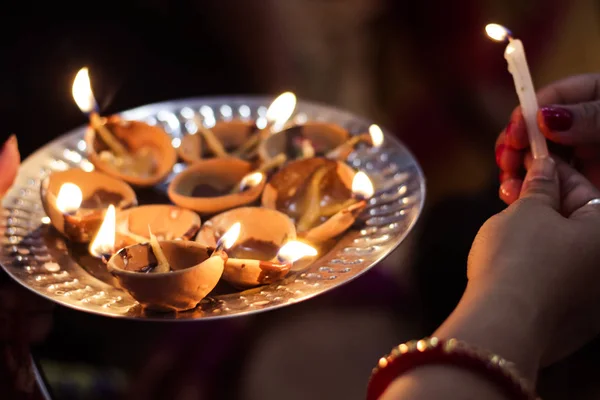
34,255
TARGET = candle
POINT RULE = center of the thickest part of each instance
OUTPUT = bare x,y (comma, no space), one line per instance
517,66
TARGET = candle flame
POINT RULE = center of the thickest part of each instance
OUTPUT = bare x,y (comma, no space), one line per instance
281,109
69,198
251,180
362,185
497,32
376,135
294,250
230,237
104,242
82,91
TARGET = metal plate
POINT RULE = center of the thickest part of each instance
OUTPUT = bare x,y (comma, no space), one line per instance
39,259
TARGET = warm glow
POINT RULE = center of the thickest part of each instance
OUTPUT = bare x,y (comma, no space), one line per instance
82,91
251,180
294,250
104,242
376,135
281,109
230,237
497,32
69,198
362,185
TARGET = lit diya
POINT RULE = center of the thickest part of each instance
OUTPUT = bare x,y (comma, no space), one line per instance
253,259
166,222
276,118
75,201
221,140
133,151
170,275
323,197
209,186
317,139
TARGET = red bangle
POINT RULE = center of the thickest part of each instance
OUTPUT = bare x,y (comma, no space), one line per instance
453,352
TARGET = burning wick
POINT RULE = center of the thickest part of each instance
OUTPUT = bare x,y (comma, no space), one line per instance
249,181
518,67
255,178
103,244
278,113
362,187
293,251
69,198
228,239
374,138
84,98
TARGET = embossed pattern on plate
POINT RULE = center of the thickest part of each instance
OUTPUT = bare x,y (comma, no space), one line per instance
41,261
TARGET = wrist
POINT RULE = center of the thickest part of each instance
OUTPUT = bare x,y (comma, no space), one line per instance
494,318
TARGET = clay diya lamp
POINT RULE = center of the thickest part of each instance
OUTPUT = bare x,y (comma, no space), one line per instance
75,201
323,197
209,186
219,141
136,152
303,141
166,222
373,139
171,275
133,151
253,259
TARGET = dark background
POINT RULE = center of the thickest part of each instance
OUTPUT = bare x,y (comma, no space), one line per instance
423,69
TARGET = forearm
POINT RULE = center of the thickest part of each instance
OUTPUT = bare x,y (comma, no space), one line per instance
489,319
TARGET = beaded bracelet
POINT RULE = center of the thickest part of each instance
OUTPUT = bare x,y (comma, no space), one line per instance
427,351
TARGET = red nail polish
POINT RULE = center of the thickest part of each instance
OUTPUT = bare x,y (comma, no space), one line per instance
499,151
557,118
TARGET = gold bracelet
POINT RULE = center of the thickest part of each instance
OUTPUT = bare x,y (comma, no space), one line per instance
431,351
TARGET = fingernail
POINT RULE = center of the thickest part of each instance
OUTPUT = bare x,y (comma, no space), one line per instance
557,118
499,150
542,168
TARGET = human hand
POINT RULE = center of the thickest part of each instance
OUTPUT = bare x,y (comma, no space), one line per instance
540,257
569,118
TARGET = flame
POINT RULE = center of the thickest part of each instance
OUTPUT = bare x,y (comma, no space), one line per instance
69,198
362,185
104,242
251,180
294,250
376,135
82,91
497,32
230,237
281,109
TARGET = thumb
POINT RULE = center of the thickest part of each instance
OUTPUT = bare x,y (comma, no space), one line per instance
571,124
541,183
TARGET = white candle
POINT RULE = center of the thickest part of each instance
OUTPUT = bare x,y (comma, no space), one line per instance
517,66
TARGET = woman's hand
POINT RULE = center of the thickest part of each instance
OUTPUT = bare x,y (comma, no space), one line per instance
569,118
532,294
541,254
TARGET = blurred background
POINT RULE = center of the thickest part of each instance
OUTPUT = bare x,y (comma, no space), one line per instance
423,69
